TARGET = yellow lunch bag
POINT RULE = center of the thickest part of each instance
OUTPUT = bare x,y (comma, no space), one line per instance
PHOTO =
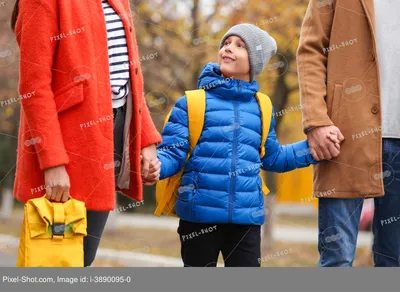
167,189
52,234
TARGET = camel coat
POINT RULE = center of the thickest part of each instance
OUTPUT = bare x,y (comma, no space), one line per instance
339,81
64,60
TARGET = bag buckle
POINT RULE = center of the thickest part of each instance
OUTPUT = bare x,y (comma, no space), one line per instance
58,229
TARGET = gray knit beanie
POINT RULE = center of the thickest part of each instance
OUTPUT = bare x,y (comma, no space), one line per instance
260,45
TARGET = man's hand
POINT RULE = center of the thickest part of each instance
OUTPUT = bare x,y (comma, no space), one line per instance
320,147
150,166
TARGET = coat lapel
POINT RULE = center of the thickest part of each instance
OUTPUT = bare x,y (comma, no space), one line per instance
369,9
121,7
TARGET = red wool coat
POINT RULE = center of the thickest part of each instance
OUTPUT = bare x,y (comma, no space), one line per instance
64,61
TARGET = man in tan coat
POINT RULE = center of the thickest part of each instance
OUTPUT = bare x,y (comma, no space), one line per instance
349,66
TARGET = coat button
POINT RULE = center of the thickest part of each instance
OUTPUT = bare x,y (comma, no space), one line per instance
130,28
136,71
375,109
140,111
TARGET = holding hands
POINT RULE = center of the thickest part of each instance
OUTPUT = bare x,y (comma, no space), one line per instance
324,142
150,165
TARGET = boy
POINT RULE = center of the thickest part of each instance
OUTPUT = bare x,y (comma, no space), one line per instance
220,203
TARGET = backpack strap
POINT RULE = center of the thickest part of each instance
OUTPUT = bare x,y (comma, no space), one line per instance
196,108
196,105
265,105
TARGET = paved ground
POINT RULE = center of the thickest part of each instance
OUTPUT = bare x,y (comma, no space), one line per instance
7,260
297,234
281,233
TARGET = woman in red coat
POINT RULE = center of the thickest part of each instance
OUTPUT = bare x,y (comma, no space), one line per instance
86,130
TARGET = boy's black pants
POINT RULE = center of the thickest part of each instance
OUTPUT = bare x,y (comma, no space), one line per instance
202,242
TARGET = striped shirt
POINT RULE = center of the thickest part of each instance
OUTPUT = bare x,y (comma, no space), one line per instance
117,55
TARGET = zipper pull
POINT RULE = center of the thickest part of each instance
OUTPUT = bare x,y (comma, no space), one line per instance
239,88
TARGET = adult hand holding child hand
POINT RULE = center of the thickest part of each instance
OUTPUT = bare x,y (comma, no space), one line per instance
322,148
150,165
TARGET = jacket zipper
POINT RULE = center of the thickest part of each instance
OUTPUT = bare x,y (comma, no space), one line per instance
235,130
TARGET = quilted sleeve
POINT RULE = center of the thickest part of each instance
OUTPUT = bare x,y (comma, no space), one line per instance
283,158
173,150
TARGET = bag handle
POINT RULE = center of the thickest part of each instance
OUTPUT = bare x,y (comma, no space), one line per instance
45,196
58,219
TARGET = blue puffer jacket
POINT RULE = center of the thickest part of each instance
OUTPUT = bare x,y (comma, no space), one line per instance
221,182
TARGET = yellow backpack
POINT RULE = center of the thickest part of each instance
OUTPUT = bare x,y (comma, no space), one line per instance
167,189
52,234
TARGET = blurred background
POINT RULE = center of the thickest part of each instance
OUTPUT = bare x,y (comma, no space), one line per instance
176,39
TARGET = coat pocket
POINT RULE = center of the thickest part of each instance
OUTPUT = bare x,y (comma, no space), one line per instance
336,103
68,96
186,192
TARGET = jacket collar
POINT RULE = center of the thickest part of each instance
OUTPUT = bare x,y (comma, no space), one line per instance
212,81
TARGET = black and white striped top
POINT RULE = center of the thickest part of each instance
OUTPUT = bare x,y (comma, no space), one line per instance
117,55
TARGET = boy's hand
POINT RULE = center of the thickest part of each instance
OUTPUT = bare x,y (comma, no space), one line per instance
333,136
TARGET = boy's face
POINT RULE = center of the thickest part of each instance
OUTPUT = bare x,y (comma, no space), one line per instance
233,59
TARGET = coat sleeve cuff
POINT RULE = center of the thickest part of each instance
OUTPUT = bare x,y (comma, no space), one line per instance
48,159
310,124
150,138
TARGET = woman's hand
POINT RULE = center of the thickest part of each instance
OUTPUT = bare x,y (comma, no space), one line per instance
148,154
148,160
154,173
56,180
